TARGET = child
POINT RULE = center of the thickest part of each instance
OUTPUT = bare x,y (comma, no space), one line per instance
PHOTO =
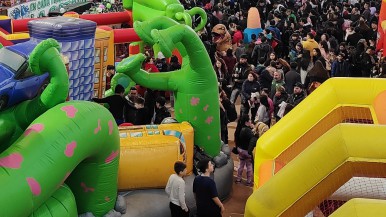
176,191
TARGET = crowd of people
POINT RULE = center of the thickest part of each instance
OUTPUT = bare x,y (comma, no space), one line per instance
303,44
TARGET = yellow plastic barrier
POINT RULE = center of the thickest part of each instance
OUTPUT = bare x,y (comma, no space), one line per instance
345,151
336,101
360,207
148,154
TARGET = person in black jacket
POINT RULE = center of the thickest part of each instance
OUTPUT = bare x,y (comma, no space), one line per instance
243,135
116,103
298,95
161,111
141,117
291,78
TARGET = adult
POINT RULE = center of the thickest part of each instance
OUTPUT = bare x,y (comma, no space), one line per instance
205,191
277,81
175,188
291,78
340,67
310,43
110,72
116,102
161,112
280,96
250,86
243,135
298,95
239,75
263,114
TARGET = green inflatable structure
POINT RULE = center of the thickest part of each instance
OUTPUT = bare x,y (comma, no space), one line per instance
57,159
195,85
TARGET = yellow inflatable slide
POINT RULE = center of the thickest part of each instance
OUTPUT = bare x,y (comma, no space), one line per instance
309,178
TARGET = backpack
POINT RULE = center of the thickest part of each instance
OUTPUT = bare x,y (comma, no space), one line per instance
231,112
263,51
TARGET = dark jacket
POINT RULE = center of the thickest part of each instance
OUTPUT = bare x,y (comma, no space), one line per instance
244,138
160,114
265,79
295,99
290,79
248,88
141,117
242,71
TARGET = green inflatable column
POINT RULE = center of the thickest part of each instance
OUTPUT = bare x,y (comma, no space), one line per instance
195,85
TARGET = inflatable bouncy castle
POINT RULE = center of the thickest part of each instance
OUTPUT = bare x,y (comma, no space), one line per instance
331,153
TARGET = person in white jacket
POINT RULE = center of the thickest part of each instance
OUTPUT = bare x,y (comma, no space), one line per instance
175,189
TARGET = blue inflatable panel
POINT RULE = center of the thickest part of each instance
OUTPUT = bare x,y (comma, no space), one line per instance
77,39
248,33
62,28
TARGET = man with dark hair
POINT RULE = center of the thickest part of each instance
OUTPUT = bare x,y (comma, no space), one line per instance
175,189
340,67
116,102
353,39
239,75
260,52
291,78
205,192
142,114
110,72
298,95
131,111
310,43
161,112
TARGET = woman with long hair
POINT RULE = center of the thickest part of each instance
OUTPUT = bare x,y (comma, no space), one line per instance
221,72
317,75
305,65
262,114
249,88
243,135
271,57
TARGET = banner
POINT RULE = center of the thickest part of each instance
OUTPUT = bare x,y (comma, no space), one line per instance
39,8
381,44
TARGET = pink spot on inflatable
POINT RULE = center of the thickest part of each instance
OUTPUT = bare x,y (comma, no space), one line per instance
34,186
209,120
12,161
112,156
107,199
208,137
99,128
206,108
70,110
195,118
85,188
194,101
34,128
111,127
70,149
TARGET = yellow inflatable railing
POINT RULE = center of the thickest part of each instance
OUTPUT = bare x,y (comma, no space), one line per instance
345,151
339,100
148,154
360,207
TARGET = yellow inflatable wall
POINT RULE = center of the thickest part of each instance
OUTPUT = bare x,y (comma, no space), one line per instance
148,154
314,172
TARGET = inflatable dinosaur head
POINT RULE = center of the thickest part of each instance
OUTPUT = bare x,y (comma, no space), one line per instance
221,37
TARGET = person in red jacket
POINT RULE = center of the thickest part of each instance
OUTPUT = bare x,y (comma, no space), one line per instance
237,37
